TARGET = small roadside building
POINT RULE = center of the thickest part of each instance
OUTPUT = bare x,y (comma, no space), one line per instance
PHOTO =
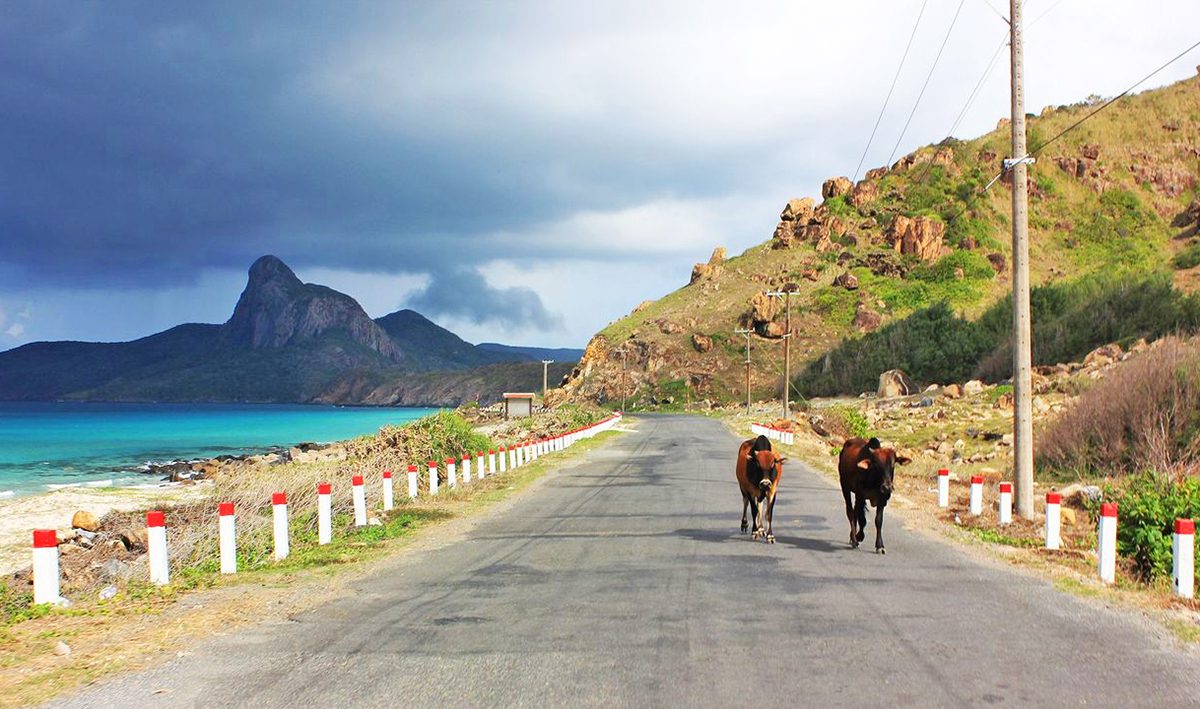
518,405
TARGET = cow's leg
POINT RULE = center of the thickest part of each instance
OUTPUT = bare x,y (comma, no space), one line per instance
879,530
754,518
850,516
769,503
860,511
745,505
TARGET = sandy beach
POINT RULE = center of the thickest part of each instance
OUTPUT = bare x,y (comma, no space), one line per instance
21,515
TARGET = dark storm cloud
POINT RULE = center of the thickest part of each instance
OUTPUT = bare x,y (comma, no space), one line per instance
463,293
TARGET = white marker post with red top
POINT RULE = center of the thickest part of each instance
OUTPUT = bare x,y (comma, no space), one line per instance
156,547
45,566
227,538
324,513
1107,542
358,493
491,462
451,473
1053,520
466,468
412,482
479,465
943,488
433,478
388,501
1183,545
279,516
1005,503
977,495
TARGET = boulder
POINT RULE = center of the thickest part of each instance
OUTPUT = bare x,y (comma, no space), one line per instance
712,269
998,262
1105,354
846,280
763,308
825,245
797,210
922,236
862,193
85,520
668,327
952,391
642,306
836,187
702,343
1004,402
1067,516
875,173
894,382
865,319
134,538
973,388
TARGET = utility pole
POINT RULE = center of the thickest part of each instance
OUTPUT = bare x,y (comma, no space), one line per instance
786,295
747,333
545,365
1022,384
624,388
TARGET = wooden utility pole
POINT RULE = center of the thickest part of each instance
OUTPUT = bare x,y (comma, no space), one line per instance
545,365
747,333
1022,359
786,295
624,388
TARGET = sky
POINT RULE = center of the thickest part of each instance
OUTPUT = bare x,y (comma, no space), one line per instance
521,172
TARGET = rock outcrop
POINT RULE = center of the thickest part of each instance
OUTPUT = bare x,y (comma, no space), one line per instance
836,187
921,236
710,270
894,382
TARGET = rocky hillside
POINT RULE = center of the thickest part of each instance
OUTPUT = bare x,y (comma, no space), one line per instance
287,341
1117,195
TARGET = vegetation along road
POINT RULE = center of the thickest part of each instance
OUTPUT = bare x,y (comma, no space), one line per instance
623,581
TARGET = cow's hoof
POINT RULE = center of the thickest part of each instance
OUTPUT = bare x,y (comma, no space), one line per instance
881,550
853,543
770,539
861,536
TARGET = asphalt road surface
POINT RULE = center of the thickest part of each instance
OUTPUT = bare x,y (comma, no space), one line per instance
624,581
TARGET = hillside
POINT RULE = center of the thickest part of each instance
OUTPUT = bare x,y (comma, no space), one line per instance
286,341
1113,201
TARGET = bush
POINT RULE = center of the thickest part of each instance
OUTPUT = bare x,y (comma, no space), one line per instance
1144,415
1189,257
1148,507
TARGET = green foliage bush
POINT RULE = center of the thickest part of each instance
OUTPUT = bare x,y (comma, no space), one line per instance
1147,507
1189,257
934,344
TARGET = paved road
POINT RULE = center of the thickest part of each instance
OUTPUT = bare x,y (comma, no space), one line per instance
624,582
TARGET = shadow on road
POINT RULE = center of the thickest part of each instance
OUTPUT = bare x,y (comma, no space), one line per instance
720,536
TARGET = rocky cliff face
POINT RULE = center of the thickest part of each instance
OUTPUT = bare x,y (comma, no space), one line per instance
278,310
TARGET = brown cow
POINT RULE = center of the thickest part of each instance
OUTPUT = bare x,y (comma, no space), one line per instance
759,470
866,470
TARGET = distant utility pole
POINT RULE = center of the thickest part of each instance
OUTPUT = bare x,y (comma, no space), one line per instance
747,333
786,295
545,366
1022,384
624,388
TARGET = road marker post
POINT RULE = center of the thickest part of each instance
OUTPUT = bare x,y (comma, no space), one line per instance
1053,520
503,456
433,478
1106,542
512,456
359,493
976,495
413,487
491,462
156,547
279,515
451,474
943,487
479,465
1183,552
227,538
1006,503
45,567
388,500
324,513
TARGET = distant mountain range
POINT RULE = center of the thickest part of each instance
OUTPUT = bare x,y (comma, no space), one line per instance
287,341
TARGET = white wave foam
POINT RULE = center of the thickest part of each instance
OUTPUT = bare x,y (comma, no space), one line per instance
6,493
63,486
99,483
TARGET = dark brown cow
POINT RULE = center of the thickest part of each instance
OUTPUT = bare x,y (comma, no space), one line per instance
866,470
759,470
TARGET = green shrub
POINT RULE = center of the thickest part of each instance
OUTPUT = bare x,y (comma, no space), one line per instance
1189,257
1148,507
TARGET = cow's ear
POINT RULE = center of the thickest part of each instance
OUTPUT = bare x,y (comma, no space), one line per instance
901,460
750,456
865,463
781,461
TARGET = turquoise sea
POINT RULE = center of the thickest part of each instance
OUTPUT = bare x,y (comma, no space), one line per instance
47,445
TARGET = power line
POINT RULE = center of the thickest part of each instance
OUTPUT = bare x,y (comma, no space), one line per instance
1112,100
890,90
927,78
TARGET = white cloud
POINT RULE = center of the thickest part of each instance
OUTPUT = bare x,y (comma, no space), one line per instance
15,330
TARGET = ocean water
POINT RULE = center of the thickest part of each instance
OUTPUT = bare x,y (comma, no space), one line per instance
44,446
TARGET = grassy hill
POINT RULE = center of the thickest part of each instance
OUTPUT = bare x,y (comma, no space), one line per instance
1114,202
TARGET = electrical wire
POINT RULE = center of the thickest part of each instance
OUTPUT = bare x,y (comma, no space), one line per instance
890,90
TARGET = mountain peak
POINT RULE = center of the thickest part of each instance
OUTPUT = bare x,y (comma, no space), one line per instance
271,268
